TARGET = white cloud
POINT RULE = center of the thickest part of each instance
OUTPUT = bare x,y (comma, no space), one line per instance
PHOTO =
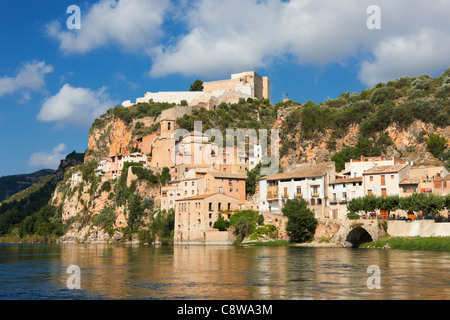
131,24
227,36
50,160
29,78
212,38
423,53
75,106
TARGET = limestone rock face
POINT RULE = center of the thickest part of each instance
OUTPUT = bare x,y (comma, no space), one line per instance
407,144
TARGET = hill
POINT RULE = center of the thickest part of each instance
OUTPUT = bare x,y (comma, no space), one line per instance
10,185
396,118
31,201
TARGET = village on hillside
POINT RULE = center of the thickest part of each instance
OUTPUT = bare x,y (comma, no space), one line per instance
208,180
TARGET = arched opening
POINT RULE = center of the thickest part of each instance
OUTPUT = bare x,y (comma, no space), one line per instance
358,236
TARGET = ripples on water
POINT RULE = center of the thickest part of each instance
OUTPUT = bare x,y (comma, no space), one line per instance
220,273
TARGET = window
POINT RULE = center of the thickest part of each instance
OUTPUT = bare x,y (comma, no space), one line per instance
369,192
210,206
219,207
383,193
299,191
392,176
371,178
229,206
383,180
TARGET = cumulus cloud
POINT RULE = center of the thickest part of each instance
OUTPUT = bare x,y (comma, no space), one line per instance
224,36
212,38
50,160
30,77
423,53
131,24
75,106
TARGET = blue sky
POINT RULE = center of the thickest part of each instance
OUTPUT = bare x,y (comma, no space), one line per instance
54,81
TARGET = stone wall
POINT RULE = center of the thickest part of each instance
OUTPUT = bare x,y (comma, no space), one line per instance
418,228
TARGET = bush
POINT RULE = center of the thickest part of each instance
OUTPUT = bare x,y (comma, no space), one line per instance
106,187
144,236
106,220
423,82
353,216
436,145
380,95
444,91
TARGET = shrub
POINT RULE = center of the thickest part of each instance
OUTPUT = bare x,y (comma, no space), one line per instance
144,236
380,95
444,91
106,220
423,82
436,145
106,187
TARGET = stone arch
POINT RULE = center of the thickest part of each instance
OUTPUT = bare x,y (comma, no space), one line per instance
358,236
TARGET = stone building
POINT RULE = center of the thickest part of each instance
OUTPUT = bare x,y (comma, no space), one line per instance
245,85
309,182
195,218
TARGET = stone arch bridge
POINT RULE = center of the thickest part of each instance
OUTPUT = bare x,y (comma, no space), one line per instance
350,232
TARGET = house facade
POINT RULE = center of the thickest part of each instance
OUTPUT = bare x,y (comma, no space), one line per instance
195,218
341,191
385,180
309,182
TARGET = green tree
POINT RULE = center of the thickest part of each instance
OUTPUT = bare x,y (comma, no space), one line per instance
436,145
135,211
244,223
162,226
197,86
221,224
301,223
252,179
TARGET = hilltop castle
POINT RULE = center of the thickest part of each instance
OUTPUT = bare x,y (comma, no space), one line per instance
245,85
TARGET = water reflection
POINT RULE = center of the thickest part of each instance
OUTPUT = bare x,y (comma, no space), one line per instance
198,272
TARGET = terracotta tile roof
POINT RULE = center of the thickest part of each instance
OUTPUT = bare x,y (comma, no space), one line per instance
204,196
385,169
347,180
308,171
410,181
226,175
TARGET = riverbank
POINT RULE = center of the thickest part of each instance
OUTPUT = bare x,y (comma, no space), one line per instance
285,243
411,243
29,239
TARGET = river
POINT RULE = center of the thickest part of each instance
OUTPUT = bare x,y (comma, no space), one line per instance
39,272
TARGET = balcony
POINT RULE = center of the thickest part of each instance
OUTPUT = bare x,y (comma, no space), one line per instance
314,194
272,192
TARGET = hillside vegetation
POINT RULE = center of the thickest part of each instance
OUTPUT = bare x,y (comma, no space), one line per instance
407,118
10,185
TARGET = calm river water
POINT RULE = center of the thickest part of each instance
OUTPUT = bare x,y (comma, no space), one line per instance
220,273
